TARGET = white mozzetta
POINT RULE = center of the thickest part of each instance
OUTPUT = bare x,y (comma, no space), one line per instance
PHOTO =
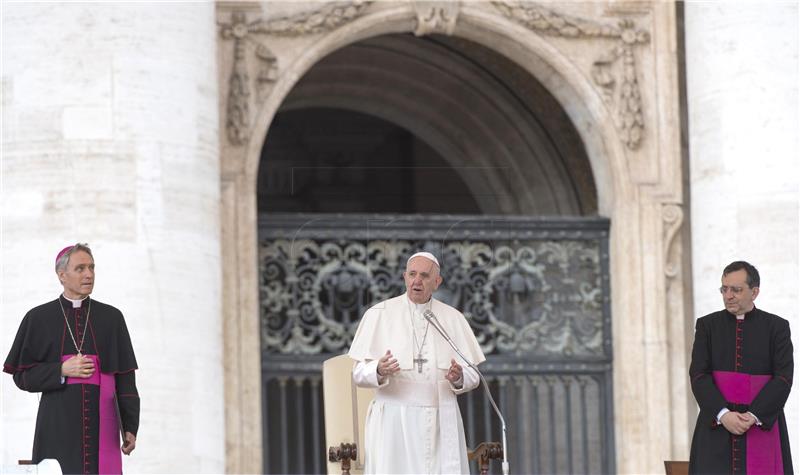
110,136
742,81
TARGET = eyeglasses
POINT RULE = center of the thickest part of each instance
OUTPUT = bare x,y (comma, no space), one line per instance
736,290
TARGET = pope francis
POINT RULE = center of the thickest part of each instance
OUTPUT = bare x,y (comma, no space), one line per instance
414,424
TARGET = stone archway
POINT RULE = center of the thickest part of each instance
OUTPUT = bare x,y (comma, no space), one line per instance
599,62
503,133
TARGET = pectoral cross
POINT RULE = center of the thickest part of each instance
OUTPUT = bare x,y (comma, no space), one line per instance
418,361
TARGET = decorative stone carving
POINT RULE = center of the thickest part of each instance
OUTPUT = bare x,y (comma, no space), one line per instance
547,22
672,214
436,17
325,18
237,119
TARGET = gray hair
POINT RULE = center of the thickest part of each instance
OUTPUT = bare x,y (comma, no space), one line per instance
63,259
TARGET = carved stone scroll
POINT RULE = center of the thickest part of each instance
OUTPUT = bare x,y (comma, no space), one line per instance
672,215
243,34
237,120
547,22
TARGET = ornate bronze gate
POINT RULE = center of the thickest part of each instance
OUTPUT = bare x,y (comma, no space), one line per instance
535,291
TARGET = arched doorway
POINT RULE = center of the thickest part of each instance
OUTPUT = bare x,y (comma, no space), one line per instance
524,257
599,62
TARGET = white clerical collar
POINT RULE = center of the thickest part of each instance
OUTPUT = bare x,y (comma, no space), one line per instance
419,307
741,317
75,303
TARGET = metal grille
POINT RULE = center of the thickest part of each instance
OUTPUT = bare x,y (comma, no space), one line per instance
536,294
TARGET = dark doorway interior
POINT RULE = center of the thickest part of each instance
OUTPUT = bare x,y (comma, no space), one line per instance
324,160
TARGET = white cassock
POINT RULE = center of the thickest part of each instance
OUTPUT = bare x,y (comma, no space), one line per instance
414,424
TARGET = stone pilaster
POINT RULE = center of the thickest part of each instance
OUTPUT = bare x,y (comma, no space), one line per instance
110,136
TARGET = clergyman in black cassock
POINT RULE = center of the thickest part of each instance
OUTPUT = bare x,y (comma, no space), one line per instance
741,375
77,352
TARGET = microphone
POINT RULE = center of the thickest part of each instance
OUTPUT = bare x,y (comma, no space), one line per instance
431,318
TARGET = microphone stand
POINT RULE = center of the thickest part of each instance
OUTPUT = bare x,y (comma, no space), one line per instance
431,318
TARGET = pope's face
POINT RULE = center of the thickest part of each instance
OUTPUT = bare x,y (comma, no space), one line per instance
737,296
422,279
78,278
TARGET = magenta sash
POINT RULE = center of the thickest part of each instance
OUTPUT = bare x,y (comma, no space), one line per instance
763,446
109,456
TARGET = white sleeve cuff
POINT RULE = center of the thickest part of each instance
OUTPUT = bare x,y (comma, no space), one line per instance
758,421
721,413
469,380
365,375
458,385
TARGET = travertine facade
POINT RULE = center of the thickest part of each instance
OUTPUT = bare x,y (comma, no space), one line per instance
742,83
110,136
139,128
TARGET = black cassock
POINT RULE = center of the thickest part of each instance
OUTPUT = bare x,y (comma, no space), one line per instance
760,344
67,425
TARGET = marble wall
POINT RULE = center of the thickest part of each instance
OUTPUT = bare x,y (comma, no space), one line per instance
742,86
110,136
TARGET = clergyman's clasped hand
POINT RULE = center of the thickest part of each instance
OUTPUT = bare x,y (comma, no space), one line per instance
78,366
736,422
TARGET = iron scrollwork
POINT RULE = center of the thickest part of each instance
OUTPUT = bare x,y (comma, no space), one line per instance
541,296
